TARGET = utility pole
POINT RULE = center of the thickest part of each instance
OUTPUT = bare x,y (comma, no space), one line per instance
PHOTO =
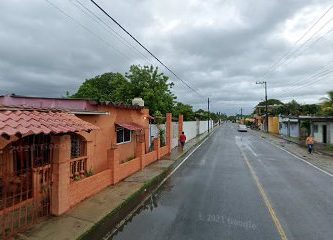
241,115
208,115
266,104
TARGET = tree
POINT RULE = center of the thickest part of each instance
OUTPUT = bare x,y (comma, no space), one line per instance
145,82
293,108
327,104
270,102
152,86
201,114
274,107
310,109
106,87
184,109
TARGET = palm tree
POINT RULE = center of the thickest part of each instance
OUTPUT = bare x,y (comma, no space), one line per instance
327,104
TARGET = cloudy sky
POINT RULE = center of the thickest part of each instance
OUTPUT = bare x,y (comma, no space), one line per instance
220,47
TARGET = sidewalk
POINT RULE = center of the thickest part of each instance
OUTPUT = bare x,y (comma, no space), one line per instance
317,158
320,148
91,211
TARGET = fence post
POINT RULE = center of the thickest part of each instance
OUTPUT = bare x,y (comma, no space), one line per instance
113,157
157,147
140,153
180,125
168,131
60,174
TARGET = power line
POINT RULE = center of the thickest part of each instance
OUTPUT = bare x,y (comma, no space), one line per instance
304,44
138,42
315,78
87,29
99,20
297,83
313,25
291,52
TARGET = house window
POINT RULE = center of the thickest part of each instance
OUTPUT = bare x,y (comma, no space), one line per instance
78,146
315,128
123,135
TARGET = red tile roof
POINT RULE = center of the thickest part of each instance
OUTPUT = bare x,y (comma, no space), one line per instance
35,122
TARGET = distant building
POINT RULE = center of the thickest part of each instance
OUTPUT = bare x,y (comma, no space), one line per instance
321,128
289,126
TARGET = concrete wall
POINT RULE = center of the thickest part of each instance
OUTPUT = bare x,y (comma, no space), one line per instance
318,135
273,125
294,129
283,128
80,190
191,129
174,135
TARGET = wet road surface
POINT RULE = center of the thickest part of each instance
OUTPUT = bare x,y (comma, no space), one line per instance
238,186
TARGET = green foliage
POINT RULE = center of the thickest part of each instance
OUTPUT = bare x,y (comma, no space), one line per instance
185,110
310,109
327,104
271,102
145,82
152,86
106,87
292,108
306,125
162,137
89,173
159,118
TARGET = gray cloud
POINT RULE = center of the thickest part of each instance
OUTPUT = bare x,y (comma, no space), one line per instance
221,47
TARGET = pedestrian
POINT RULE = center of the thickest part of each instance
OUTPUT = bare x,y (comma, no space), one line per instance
182,140
309,143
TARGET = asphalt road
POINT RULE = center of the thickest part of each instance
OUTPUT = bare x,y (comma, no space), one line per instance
238,186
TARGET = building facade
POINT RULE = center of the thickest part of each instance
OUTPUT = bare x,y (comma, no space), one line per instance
54,153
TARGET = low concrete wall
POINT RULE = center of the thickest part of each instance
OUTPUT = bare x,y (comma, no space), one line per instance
82,189
149,158
126,169
163,151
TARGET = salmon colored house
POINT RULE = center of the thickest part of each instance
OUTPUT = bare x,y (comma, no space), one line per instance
54,153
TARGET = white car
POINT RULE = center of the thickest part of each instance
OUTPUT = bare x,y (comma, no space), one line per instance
242,128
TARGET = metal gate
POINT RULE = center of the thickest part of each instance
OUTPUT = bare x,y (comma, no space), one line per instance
25,184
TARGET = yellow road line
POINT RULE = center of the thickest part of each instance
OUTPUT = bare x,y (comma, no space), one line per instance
263,194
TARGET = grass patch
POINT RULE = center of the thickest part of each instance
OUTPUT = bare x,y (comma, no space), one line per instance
329,148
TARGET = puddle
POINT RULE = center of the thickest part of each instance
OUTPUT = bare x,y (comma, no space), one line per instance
150,205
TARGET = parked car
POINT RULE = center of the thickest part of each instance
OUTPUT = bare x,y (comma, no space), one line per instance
242,128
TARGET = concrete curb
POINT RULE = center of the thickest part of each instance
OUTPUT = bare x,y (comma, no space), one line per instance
127,209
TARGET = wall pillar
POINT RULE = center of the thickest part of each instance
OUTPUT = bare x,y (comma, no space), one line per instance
181,125
140,153
90,155
113,158
157,145
197,121
60,174
168,131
